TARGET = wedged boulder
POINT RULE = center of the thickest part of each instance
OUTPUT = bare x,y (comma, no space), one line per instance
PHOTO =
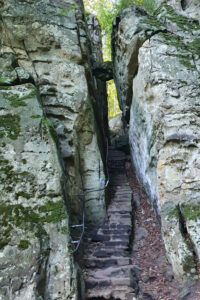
103,71
115,124
157,59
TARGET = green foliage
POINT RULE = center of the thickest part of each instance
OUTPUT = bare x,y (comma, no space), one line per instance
121,4
2,79
113,104
149,5
106,10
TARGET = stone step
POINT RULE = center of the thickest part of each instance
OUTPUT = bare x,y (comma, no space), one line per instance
99,293
109,251
115,231
112,272
121,281
116,227
124,238
106,253
118,283
91,284
117,244
101,238
121,214
125,294
106,262
106,293
107,258
124,221
112,238
126,205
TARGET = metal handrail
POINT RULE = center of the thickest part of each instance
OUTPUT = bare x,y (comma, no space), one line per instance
80,225
82,197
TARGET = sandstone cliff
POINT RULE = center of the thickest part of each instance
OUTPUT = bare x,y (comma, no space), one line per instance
157,71
54,133
52,150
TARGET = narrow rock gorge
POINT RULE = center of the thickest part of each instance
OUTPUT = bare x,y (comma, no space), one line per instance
63,186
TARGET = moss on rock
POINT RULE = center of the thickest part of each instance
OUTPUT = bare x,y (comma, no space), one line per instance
167,13
188,264
29,218
47,127
16,101
53,211
17,97
23,244
35,116
191,212
174,213
9,177
10,126
4,242
23,194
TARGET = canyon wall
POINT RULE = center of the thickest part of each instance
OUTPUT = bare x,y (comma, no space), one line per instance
52,144
157,71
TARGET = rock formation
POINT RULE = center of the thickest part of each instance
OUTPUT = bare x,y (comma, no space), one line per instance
52,150
157,71
54,134
35,250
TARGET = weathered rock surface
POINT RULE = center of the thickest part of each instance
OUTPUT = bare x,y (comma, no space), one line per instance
157,69
35,255
189,8
49,40
115,124
51,144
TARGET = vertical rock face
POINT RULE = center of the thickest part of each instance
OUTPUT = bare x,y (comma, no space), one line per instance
35,255
189,8
50,41
51,145
157,63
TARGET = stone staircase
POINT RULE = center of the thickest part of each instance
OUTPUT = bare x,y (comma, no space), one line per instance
109,273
